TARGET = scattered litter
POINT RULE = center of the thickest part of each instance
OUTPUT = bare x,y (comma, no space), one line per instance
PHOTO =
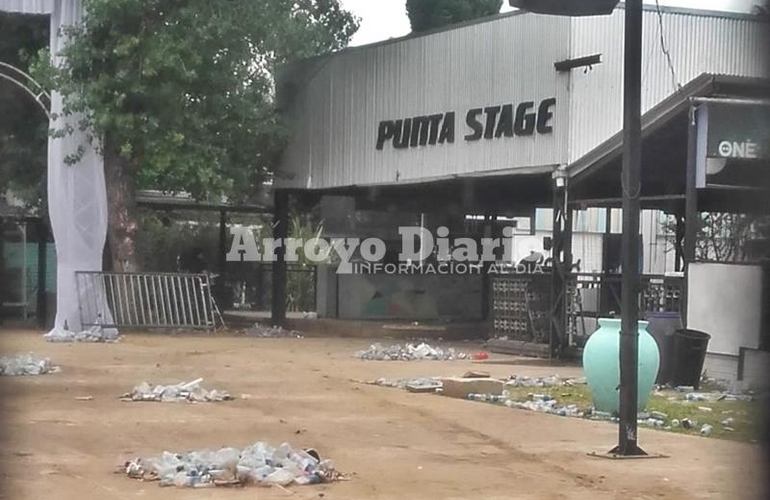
409,352
476,374
552,381
728,422
687,423
601,415
419,384
259,463
651,422
705,408
84,398
95,334
187,391
422,386
706,430
26,364
717,396
272,332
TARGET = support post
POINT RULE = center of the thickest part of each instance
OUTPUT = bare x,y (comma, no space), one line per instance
280,232
679,242
630,182
691,215
606,240
486,281
42,246
562,263
222,257
691,194
2,265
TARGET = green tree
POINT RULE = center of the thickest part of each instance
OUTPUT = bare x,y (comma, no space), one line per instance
23,126
181,93
426,15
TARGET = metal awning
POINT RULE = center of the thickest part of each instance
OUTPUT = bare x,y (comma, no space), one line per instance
595,177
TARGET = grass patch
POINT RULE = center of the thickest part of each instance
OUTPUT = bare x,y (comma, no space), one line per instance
746,415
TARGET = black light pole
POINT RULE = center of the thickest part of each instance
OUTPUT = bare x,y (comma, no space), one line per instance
631,185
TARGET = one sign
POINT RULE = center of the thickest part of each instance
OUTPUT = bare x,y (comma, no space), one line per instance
733,145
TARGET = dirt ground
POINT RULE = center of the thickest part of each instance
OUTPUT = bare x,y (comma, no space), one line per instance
395,445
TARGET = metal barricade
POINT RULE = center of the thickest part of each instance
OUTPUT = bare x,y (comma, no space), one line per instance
145,300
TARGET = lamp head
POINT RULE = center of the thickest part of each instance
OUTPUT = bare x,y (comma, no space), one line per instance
572,8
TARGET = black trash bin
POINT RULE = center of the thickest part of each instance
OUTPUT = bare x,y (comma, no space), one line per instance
662,326
689,354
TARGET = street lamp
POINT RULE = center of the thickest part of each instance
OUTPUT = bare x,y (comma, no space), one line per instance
630,182
572,8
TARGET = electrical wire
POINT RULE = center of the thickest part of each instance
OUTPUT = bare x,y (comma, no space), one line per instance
664,48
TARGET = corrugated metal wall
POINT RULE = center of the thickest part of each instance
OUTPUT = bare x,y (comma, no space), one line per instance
507,60
697,44
27,6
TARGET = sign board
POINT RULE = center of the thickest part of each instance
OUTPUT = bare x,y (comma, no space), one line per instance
733,145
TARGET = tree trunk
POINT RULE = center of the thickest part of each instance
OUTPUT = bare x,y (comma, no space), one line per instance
122,214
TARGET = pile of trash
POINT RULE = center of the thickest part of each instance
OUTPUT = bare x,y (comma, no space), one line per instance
552,381
409,352
417,384
191,392
272,332
259,464
93,334
543,403
26,364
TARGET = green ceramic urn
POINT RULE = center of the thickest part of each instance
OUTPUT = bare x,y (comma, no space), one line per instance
602,365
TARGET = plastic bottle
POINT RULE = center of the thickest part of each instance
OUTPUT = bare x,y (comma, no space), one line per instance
280,477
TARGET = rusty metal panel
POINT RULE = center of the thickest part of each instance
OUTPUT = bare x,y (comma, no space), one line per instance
340,102
698,42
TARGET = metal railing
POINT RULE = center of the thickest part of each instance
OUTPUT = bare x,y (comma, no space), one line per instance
521,302
145,300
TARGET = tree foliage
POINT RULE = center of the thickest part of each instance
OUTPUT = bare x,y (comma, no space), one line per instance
724,237
183,91
426,15
23,126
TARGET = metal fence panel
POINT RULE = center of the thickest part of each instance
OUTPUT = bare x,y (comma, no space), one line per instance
145,300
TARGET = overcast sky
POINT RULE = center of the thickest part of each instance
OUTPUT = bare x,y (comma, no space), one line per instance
383,19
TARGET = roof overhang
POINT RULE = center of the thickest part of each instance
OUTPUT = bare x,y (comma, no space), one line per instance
706,85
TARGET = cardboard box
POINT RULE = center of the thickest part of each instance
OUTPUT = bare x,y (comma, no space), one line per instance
456,387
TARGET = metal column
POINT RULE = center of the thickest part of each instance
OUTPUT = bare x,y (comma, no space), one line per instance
630,182
691,216
222,259
42,246
280,232
562,263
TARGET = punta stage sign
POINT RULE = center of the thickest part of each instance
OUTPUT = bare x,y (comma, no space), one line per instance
491,122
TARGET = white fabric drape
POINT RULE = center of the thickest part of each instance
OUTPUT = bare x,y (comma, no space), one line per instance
77,196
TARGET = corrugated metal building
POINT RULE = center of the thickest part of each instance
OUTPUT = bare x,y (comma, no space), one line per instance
339,101
477,118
